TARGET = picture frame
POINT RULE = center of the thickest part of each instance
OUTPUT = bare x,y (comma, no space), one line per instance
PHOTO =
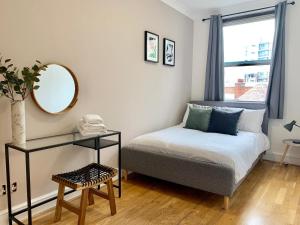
151,47
169,52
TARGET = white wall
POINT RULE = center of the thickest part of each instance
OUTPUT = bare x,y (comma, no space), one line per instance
292,106
102,42
201,30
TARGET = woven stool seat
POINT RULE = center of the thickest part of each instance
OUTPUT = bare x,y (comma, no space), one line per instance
86,177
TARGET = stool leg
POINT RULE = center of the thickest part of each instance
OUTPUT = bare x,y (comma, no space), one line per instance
111,197
91,198
60,197
83,205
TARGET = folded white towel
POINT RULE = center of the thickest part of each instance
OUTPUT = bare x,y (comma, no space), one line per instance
93,129
85,132
92,119
91,126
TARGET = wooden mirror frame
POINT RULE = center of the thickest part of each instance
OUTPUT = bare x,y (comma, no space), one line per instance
75,97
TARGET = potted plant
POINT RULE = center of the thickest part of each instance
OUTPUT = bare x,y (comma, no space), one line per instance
16,85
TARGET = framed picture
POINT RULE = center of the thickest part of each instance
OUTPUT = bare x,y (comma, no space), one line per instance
169,52
151,47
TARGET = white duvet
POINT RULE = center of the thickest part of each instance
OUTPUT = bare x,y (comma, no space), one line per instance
238,152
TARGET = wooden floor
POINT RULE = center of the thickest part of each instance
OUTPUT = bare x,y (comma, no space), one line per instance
269,196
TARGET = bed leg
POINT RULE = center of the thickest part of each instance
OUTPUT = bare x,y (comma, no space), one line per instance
226,202
125,174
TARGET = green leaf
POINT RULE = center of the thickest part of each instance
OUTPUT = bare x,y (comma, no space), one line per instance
3,69
17,88
20,81
4,82
35,68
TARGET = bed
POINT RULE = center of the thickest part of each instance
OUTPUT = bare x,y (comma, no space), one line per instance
211,162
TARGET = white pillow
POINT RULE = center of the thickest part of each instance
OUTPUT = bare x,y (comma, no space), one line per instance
186,114
251,120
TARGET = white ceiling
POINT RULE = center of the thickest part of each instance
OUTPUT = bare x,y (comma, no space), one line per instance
210,4
189,7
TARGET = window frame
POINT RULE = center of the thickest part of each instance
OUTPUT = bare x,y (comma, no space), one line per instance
262,62
243,20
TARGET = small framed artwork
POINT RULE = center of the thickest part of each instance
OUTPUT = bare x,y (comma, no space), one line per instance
151,47
169,52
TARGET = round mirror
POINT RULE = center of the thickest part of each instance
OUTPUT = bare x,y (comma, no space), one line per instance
58,89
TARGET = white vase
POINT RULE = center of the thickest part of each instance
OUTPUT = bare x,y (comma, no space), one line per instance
18,122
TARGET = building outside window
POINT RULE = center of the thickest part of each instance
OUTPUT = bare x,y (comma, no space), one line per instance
247,54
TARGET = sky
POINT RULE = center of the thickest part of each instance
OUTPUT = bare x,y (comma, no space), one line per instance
238,37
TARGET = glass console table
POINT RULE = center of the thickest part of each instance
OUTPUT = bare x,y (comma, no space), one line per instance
96,142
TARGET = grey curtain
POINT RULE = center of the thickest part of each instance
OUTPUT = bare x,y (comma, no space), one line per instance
214,82
275,97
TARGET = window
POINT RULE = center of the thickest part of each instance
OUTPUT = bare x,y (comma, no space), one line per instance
247,56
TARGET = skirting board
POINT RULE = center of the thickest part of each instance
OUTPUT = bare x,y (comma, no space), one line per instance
38,210
276,157
4,213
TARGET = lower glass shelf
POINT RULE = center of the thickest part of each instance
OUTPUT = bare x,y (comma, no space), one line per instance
104,143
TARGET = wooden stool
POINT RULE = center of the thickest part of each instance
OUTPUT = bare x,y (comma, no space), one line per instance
85,179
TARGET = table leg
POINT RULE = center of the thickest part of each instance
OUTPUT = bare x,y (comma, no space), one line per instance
98,156
287,147
28,184
8,184
97,147
120,167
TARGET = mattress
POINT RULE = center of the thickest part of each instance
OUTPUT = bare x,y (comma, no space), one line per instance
237,152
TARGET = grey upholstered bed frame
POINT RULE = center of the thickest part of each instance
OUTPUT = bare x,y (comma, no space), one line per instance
207,176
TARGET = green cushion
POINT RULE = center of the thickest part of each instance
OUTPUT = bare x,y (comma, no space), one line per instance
198,119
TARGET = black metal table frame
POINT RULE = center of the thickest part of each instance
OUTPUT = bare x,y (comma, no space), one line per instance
30,206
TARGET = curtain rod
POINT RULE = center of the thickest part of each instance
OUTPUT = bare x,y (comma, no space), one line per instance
253,10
